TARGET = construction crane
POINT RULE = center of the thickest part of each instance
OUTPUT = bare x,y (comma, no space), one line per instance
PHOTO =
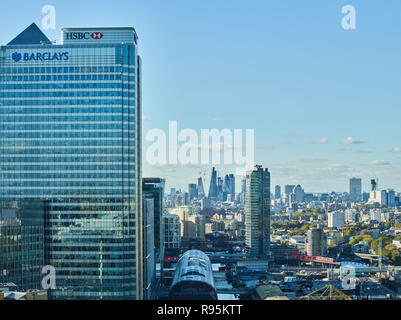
326,293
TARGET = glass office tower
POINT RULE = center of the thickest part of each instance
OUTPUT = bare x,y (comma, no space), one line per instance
70,134
257,212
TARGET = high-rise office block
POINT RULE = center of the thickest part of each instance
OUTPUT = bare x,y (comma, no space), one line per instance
193,191
205,203
184,212
390,198
316,245
351,216
257,212
355,189
373,185
226,187
201,190
213,185
220,188
148,276
336,219
243,185
299,194
186,199
153,188
288,189
384,197
232,185
172,231
379,197
277,192
22,243
70,128
196,227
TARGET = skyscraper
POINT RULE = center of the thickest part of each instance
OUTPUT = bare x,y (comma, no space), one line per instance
355,189
148,267
220,188
153,189
257,212
316,242
335,219
201,190
193,191
288,189
243,185
70,127
213,185
299,194
277,192
172,231
373,185
226,187
232,185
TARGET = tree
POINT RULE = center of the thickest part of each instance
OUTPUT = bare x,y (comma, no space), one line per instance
355,240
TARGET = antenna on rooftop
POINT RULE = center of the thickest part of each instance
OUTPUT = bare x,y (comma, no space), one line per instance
48,42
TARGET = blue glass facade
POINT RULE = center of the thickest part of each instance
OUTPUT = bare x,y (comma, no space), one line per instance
22,243
70,134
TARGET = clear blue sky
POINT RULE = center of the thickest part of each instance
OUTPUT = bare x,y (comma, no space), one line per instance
284,68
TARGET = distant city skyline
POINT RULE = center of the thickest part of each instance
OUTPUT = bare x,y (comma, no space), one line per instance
366,183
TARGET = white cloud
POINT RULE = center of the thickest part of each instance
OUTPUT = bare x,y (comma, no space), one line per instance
309,160
380,163
351,140
321,141
397,149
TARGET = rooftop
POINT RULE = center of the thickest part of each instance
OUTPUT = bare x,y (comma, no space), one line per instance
30,36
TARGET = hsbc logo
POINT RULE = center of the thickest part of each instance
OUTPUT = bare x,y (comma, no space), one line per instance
83,35
97,35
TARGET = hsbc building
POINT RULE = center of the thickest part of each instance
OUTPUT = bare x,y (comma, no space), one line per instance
70,126
96,35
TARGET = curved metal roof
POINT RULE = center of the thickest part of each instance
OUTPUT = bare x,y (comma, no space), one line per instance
194,265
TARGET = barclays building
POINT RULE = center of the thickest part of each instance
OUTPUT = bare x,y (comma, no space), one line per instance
70,136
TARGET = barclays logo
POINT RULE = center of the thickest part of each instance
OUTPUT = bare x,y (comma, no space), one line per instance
16,56
40,56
